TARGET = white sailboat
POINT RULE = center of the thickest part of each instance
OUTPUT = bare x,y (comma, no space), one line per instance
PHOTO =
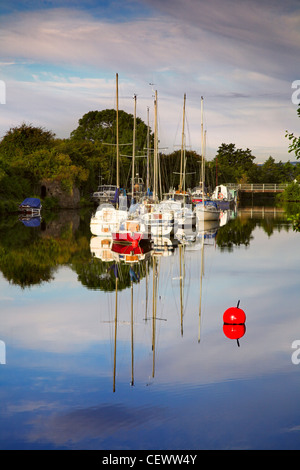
100,248
108,218
206,209
159,220
223,197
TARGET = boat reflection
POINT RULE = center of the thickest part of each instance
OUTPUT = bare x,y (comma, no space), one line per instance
30,221
142,261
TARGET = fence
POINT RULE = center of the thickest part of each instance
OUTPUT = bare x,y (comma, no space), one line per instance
258,188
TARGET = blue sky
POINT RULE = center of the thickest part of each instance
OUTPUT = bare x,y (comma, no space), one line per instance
59,60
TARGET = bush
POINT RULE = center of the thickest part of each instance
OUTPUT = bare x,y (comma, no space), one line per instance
291,193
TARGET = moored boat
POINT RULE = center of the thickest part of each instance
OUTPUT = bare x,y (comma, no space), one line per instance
223,197
31,206
106,220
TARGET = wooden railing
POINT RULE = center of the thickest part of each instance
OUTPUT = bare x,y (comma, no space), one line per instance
258,188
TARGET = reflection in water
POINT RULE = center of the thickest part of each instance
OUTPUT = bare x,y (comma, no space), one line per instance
31,254
100,318
2,352
234,319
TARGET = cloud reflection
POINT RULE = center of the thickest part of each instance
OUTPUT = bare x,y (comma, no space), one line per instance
95,424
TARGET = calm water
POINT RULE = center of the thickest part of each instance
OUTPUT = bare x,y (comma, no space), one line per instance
77,373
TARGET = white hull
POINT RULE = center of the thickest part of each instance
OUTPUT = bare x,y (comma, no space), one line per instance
207,213
107,220
101,248
159,223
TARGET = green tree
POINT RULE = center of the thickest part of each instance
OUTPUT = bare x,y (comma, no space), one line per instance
52,165
170,169
233,164
99,127
95,157
295,141
270,171
23,140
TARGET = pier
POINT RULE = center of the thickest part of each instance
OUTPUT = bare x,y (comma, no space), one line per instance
258,188
260,212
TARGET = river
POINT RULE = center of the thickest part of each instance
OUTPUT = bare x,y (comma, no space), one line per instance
94,358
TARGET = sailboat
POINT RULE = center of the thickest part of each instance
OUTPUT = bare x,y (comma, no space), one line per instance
206,209
131,231
108,218
100,248
158,220
223,197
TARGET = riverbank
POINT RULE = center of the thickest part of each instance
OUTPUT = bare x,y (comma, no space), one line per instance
11,206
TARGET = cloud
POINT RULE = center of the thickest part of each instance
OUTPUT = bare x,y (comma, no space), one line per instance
97,422
237,57
261,31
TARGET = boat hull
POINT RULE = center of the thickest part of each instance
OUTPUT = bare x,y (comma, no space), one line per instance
126,237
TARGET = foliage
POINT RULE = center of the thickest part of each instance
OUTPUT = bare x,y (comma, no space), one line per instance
99,128
170,169
295,141
23,140
295,219
291,193
31,154
233,164
52,165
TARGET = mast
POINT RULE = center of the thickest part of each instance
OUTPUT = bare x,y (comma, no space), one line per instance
117,125
182,144
201,274
202,154
181,290
115,342
148,149
132,352
133,149
155,149
154,300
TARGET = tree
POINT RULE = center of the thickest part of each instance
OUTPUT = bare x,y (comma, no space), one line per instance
295,141
233,164
270,171
99,127
95,157
23,140
48,164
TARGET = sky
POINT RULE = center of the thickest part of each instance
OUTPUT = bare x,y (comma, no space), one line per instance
59,60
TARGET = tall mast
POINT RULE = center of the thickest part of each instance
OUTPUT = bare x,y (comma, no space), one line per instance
115,342
182,145
155,149
201,274
202,149
117,125
133,149
132,350
148,149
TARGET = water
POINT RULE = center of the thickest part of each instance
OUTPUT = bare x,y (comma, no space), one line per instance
74,378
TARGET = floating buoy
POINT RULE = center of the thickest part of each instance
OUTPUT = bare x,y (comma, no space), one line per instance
234,319
234,316
234,331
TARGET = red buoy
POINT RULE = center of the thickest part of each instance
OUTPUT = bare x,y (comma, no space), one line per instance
234,331
234,319
234,316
